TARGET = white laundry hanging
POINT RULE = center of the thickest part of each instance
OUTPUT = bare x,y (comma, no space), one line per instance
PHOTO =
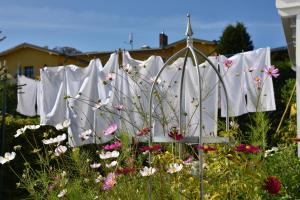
232,71
106,83
53,86
171,78
27,96
244,77
38,98
259,85
139,77
209,87
82,94
108,87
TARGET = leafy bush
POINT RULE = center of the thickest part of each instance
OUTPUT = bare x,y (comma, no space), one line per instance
285,165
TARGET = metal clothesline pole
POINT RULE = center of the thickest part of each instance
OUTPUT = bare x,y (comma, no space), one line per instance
188,49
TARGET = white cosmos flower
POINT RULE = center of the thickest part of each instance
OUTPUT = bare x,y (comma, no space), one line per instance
20,132
57,139
63,125
112,164
33,127
110,77
175,167
7,157
62,193
271,151
109,154
147,171
95,165
86,134
99,179
60,150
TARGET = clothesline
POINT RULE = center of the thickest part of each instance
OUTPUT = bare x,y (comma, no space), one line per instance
97,96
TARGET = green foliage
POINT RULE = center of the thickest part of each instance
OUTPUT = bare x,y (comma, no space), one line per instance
286,91
285,165
235,39
232,175
11,98
259,129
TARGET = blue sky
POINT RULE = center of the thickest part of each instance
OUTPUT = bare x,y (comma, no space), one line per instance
98,25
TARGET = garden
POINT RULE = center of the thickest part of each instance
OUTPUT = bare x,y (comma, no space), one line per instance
258,162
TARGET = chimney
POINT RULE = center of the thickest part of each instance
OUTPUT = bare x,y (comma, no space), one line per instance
163,40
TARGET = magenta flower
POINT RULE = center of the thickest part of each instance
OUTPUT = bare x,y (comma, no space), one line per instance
174,133
206,148
109,182
228,63
113,146
272,71
156,147
111,129
272,185
245,148
119,107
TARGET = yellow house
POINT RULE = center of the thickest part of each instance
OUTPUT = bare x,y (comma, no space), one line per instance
27,59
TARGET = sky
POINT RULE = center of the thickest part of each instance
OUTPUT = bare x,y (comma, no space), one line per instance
98,25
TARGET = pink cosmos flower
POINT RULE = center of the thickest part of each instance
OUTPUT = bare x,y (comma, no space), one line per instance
109,182
245,148
228,63
119,107
144,131
272,71
188,160
113,146
111,129
272,185
206,148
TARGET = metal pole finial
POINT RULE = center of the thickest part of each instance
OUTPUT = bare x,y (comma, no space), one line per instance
189,30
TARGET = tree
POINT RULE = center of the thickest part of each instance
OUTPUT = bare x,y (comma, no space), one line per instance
70,51
235,39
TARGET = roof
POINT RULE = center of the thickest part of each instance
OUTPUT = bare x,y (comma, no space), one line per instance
150,49
288,7
27,45
49,51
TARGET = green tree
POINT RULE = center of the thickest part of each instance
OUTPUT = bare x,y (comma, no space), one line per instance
235,39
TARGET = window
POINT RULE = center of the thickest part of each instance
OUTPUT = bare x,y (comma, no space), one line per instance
28,71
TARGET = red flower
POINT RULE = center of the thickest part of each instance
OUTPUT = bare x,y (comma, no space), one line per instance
272,185
125,170
174,134
206,148
245,148
144,131
156,147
